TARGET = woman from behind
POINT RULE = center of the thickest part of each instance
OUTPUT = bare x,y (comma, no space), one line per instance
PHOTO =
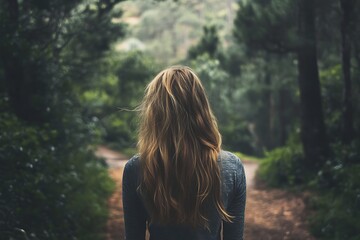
181,185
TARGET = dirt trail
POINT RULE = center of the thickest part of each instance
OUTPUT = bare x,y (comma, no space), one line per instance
271,214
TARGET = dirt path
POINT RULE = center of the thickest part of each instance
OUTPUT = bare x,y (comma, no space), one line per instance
271,214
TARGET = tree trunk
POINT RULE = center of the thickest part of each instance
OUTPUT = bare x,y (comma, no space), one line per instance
313,133
282,119
268,99
347,7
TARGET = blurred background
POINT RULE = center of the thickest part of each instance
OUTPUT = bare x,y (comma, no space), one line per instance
282,77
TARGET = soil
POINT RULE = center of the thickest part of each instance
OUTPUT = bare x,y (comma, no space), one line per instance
271,214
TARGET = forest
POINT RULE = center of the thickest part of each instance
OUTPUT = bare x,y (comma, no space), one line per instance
282,77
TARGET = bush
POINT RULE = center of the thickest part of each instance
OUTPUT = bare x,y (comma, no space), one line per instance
337,206
282,166
51,185
338,211
236,136
336,187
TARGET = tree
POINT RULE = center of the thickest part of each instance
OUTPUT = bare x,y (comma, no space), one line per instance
51,184
346,28
44,36
209,43
313,133
271,27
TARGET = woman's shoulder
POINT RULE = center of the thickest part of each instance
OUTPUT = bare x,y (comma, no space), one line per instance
133,163
230,160
131,171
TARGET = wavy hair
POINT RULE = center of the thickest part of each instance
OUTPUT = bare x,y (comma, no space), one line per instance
179,144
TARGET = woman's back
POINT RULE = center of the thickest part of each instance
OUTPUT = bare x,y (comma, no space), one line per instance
233,196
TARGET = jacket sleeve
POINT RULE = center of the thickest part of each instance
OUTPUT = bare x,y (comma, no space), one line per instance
234,230
134,211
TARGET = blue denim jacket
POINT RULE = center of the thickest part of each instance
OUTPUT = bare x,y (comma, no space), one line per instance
233,195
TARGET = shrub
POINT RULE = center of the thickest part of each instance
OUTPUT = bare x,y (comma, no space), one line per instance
236,136
338,211
282,166
51,185
336,188
337,206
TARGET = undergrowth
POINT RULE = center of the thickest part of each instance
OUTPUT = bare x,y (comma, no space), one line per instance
335,198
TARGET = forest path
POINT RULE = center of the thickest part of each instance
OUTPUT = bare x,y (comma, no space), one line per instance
271,214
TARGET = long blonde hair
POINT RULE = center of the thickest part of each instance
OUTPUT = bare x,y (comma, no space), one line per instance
179,144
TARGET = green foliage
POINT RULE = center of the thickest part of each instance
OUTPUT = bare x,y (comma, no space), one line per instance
128,75
245,157
134,70
50,188
267,25
336,188
51,185
282,166
169,28
332,91
208,43
236,135
266,37
51,48
337,216
249,103
337,204
213,76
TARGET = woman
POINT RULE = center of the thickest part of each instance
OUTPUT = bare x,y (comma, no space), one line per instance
181,185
